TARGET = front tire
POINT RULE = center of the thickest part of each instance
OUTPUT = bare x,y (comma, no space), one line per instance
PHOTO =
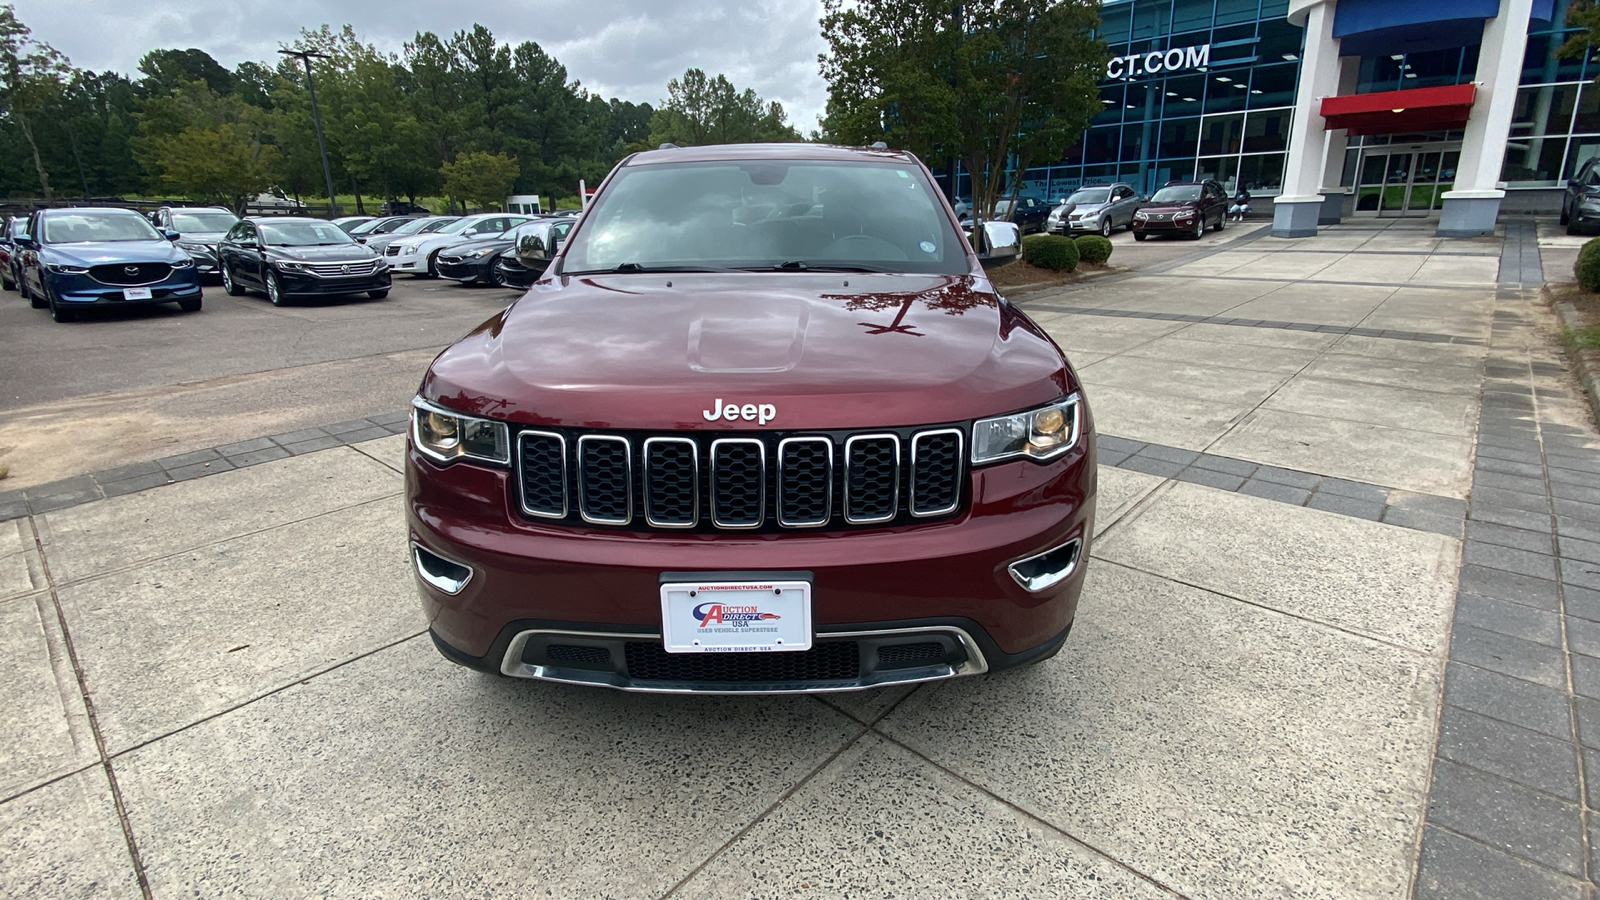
1564,217
60,313
1139,235
1222,221
275,290
378,295
433,264
234,288
6,281
190,305
37,301
1199,228
1105,227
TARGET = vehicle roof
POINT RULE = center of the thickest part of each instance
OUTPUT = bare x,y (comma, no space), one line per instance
199,208
273,220
808,152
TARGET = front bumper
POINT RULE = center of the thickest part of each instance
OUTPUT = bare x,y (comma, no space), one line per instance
1164,226
302,284
412,263
940,596
205,260
81,290
467,270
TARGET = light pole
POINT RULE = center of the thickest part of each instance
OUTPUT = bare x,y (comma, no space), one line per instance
305,56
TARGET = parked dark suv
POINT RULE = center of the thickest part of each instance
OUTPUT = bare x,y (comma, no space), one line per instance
1182,207
1580,205
763,425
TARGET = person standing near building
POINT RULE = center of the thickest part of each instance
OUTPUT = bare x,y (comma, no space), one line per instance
1241,204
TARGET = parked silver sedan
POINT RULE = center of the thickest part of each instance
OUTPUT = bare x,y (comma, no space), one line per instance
1100,209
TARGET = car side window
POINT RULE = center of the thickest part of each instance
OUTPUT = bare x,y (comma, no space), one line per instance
1594,174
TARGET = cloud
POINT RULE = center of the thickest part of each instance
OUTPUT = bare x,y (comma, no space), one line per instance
617,48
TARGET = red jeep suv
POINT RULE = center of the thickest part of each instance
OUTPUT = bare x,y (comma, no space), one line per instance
763,425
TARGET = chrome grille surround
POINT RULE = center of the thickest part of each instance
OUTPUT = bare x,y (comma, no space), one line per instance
658,444
784,491
724,460
854,493
587,491
524,439
336,270
917,505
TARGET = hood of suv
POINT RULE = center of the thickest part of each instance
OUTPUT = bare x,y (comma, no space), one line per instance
1170,207
99,253
336,253
828,351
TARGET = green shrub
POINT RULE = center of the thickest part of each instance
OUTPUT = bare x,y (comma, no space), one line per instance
1050,251
1587,268
1093,248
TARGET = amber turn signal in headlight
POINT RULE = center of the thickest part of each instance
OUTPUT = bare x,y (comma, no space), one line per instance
1042,433
447,436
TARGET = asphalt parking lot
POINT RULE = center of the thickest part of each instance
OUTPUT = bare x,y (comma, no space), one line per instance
1335,640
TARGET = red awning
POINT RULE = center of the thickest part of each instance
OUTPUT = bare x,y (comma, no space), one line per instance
1417,109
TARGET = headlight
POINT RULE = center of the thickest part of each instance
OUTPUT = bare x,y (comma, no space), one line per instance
1141,215
194,248
447,436
287,266
479,254
60,269
1185,214
380,266
184,263
1042,433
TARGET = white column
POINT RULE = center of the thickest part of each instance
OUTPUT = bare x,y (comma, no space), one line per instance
1332,190
1471,207
1296,210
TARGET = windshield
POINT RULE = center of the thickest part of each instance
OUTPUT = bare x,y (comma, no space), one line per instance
367,227
760,214
303,234
420,225
1090,195
1181,193
202,222
84,227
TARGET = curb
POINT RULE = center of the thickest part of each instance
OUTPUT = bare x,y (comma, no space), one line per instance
1586,362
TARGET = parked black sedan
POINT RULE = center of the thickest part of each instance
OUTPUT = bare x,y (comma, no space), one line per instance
523,262
298,257
475,261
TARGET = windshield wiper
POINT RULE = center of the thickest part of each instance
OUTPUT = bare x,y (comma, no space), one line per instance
633,267
800,265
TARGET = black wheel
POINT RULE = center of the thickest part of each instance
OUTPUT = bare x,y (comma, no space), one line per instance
498,277
6,281
1105,227
275,290
433,264
378,295
61,313
1563,214
1573,229
1139,235
234,288
192,305
37,301
1199,228
1222,221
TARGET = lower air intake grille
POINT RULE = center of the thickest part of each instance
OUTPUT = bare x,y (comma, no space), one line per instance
832,661
578,656
904,656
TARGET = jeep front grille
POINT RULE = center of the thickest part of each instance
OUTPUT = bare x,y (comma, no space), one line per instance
721,481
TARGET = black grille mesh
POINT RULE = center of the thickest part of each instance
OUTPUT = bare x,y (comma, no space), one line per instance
903,656
737,478
805,482
117,273
603,486
670,482
832,661
578,656
543,484
873,476
936,473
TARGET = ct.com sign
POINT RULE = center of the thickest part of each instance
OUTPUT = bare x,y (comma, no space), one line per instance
1159,61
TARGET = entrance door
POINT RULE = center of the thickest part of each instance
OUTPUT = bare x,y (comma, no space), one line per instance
1408,182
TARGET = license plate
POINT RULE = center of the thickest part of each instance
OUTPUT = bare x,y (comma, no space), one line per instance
136,294
736,617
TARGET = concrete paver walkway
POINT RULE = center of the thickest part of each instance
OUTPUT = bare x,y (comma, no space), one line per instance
222,686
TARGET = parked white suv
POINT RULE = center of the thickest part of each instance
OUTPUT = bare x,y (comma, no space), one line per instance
418,254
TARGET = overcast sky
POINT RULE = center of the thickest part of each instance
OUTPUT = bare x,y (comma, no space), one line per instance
617,48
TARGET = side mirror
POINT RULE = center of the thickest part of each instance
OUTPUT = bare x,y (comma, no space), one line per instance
533,251
169,234
1005,245
26,241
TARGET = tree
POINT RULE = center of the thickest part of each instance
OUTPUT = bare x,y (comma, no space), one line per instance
997,84
700,110
207,146
483,179
166,70
33,76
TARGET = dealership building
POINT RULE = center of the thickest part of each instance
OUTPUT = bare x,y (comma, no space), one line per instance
1334,109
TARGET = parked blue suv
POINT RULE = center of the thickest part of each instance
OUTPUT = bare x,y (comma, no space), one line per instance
77,258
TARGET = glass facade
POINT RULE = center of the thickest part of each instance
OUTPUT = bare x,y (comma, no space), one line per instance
1205,89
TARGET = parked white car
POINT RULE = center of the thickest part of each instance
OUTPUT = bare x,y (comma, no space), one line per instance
419,254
